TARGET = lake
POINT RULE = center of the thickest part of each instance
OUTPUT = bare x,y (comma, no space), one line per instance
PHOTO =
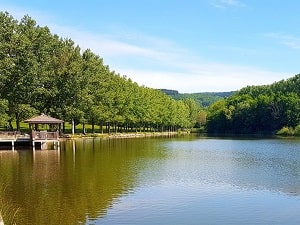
177,180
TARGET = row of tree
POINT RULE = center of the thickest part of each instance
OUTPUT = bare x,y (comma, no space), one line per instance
257,109
43,73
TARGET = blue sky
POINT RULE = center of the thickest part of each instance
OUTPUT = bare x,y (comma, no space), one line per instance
186,45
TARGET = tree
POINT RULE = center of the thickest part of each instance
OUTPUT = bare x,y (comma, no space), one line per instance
4,118
68,81
20,81
193,110
201,118
217,119
42,73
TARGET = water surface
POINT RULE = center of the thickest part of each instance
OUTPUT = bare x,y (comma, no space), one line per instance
184,180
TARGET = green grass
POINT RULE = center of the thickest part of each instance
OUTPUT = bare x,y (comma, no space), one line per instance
24,128
79,130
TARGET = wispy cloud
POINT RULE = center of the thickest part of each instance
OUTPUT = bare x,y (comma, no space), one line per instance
227,3
204,77
161,63
140,51
18,13
287,40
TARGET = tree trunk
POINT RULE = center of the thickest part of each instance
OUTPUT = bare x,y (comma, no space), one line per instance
83,128
73,127
10,124
101,127
18,122
108,127
93,127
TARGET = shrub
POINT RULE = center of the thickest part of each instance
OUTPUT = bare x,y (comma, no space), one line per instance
286,131
297,130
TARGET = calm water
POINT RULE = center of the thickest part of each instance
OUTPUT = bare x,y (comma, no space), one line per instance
185,180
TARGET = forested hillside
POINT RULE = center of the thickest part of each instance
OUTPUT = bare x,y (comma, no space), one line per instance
259,109
203,99
41,72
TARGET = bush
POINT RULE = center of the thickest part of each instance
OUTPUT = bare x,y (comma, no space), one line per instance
297,130
286,131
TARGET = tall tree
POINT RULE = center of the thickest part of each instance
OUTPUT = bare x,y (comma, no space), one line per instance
20,81
3,113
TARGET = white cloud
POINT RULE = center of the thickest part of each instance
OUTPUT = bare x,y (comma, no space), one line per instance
19,13
227,3
204,78
160,63
287,40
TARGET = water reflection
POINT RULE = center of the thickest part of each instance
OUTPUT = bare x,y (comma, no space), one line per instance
87,178
79,182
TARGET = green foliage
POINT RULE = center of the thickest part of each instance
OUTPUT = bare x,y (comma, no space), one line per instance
297,130
258,109
289,131
201,118
3,113
286,131
42,73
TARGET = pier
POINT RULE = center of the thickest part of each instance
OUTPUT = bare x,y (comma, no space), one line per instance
44,137
44,129
12,138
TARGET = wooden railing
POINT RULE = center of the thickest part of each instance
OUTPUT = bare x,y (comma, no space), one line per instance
35,135
9,134
44,135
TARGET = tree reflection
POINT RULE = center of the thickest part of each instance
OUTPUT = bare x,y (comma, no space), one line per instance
87,177
79,182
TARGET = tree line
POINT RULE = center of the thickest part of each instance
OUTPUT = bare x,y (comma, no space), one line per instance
258,109
41,72
204,99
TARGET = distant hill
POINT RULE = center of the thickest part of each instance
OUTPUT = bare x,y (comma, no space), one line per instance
169,92
203,98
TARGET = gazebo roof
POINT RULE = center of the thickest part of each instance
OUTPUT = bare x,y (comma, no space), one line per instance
43,119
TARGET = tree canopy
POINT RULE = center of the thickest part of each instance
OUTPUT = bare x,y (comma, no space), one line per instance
258,109
41,72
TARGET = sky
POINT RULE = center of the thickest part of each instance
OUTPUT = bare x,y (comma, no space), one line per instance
185,45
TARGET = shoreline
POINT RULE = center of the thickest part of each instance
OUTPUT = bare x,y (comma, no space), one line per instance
121,135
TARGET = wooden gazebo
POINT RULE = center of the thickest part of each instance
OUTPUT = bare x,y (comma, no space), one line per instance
44,128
